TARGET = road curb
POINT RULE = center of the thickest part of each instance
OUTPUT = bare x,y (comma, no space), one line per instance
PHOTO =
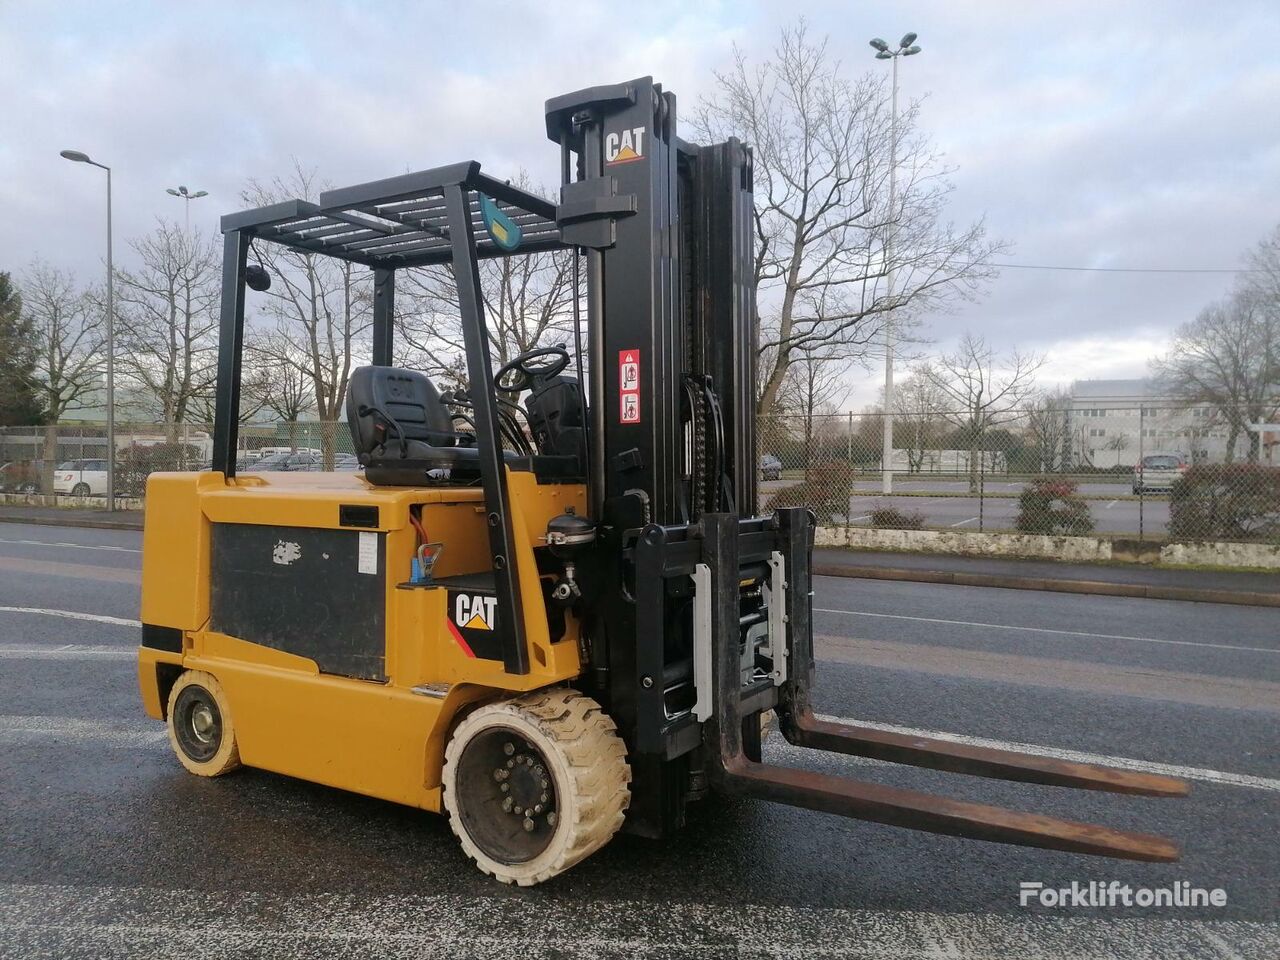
73,522
1097,587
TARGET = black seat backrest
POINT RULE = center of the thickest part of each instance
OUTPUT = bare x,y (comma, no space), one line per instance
389,405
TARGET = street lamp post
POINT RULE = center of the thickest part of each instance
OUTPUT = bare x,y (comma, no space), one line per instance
77,157
906,48
184,194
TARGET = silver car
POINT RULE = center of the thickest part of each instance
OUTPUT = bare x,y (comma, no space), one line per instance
1159,471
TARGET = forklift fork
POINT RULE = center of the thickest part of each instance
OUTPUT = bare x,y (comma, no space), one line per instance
735,766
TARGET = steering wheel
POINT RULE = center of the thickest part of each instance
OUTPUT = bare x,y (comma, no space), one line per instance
521,373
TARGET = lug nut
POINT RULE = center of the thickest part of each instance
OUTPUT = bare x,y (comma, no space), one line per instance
537,808
505,787
510,764
499,775
528,825
517,810
540,770
546,784
506,804
545,797
551,819
508,748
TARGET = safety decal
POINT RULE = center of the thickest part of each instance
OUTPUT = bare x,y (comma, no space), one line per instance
625,146
629,386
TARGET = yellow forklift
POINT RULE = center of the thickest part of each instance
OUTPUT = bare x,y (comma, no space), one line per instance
547,607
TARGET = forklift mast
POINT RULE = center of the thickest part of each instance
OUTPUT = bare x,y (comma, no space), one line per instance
667,230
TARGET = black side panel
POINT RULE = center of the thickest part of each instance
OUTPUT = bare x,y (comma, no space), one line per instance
162,638
303,591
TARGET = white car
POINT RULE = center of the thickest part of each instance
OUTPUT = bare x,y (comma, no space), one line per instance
1160,471
81,478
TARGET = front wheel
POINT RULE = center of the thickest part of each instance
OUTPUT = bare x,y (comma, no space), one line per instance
201,730
535,784
80,490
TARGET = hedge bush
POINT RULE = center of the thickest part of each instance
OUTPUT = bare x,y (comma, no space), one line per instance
1052,505
1226,501
826,492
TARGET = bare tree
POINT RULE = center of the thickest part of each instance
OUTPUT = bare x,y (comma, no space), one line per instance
318,308
982,390
918,403
167,316
1049,429
1229,358
527,303
821,153
280,381
67,333
813,388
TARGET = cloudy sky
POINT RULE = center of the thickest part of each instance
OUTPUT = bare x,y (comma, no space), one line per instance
1096,134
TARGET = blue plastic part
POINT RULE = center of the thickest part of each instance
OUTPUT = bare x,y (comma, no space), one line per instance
504,231
415,571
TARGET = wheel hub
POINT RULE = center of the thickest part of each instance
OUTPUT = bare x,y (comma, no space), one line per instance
526,785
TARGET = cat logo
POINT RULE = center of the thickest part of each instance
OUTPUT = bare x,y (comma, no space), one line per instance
474,611
625,146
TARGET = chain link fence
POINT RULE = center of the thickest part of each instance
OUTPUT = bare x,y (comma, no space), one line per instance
1142,471
1147,472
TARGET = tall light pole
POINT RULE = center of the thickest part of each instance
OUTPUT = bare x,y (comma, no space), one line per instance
906,48
185,195
77,157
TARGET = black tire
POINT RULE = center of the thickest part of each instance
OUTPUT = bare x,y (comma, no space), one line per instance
29,488
80,490
201,730
554,749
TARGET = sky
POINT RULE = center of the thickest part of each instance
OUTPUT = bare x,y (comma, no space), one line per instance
1095,134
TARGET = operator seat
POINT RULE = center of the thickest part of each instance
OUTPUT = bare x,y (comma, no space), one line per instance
401,431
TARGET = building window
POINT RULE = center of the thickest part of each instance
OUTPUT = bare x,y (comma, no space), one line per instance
1097,432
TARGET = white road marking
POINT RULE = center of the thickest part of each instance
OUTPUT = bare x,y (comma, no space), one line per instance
74,615
865,516
1076,756
963,522
78,546
158,923
1063,633
1112,504
67,651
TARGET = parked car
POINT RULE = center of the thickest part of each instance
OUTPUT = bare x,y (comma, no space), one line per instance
770,467
81,478
346,461
300,461
1158,471
21,476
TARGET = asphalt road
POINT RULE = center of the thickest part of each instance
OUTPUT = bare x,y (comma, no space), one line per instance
110,849
947,504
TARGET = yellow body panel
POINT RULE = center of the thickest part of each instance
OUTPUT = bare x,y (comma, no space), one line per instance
372,737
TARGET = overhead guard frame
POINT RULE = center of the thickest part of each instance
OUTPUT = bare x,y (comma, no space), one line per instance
416,219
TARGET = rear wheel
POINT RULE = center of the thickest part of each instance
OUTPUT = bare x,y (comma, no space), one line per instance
200,728
29,488
536,784
80,490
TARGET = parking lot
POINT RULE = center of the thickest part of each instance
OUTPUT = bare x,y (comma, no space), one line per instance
110,849
948,504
